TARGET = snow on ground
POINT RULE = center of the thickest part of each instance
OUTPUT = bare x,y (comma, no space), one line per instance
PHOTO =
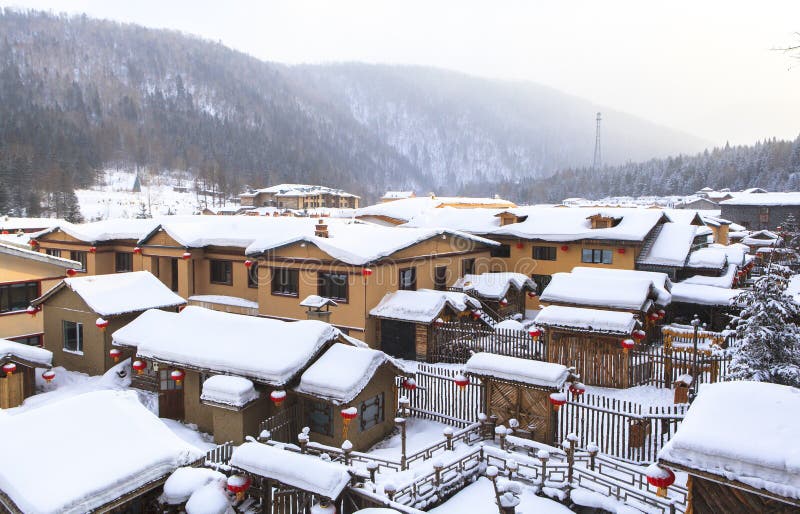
190,434
645,395
478,498
419,434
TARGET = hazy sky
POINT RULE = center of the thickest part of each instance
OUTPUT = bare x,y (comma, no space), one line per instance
707,67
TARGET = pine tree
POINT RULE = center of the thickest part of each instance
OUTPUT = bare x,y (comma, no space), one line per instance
72,209
768,348
143,213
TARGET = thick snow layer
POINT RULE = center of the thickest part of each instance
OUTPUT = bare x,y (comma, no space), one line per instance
228,390
479,498
761,238
357,243
700,294
287,190
600,291
725,280
672,246
107,230
770,199
510,324
184,481
538,373
108,444
235,231
422,306
262,349
317,302
120,293
13,350
409,209
588,320
713,258
210,499
743,431
233,301
793,289
16,251
304,472
661,281
494,285
736,252
341,373
474,221
14,224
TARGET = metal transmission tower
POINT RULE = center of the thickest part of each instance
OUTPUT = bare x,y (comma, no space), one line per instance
598,156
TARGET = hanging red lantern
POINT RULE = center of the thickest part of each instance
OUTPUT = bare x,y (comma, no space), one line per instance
248,264
520,246
409,384
48,375
137,250
503,302
476,314
186,255
577,389
32,310
9,368
564,248
34,243
177,375
534,332
181,307
277,397
531,294
557,400
639,335
238,485
139,366
662,314
621,251
72,272
660,477
461,381
92,249
101,323
115,354
627,344
366,272
348,415
438,322
653,316
5,232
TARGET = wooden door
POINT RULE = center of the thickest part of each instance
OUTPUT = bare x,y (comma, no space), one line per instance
174,273
398,339
530,407
170,396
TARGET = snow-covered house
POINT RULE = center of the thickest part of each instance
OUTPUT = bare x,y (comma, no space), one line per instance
761,239
80,312
520,389
671,250
738,443
502,294
18,363
406,319
299,196
391,196
110,454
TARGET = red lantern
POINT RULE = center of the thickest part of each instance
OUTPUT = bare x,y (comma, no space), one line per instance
92,249
639,335
48,375
662,313
34,243
9,368
653,316
177,376
621,251
139,366
461,381
72,272
348,415
409,384
534,332
32,310
564,248
248,264
557,400
627,344
660,477
577,389
238,485
101,323
5,232
115,354
186,255
137,250
503,302
181,307
277,397
520,246
366,272
531,294
438,322
476,314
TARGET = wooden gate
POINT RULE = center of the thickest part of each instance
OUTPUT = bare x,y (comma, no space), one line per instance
528,405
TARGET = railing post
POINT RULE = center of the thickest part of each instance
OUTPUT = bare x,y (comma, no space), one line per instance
493,424
500,431
569,446
372,467
390,489
544,456
347,448
437,473
593,450
448,436
302,439
401,423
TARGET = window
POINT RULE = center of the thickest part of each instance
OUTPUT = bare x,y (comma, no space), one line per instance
320,417
17,297
79,256
333,285
467,267
500,251
252,275
541,282
544,253
440,278
29,340
596,256
154,266
285,281
73,336
408,279
370,413
221,272
53,252
123,262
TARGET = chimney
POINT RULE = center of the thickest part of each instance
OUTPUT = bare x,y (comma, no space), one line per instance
321,229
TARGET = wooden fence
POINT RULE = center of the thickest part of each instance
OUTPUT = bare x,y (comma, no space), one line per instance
654,366
437,397
622,429
456,342
285,425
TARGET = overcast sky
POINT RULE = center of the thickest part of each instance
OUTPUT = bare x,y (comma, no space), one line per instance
706,67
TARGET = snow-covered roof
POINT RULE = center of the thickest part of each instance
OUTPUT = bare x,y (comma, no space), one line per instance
305,472
761,238
341,373
422,306
711,258
397,195
235,231
700,294
407,209
262,349
317,302
494,285
13,224
16,251
526,371
587,320
724,281
83,468
736,252
108,230
671,246
231,301
287,190
770,199
474,221
355,243
661,281
510,324
228,390
12,350
600,290
742,431
119,293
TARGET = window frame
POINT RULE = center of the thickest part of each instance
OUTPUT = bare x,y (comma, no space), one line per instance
401,282
321,278
468,266
276,272
228,272
551,253
440,282
365,423
597,256
78,337
79,256
25,340
542,281
5,293
126,256
323,408
500,252
252,276
53,252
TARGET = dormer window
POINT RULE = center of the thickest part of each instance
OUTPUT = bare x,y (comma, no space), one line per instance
601,221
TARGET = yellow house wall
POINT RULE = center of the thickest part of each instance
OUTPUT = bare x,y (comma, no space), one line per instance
19,269
194,411
232,425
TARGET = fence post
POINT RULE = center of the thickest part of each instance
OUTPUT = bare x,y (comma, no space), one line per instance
372,467
569,445
544,456
500,430
401,423
302,439
347,448
493,424
593,450
448,436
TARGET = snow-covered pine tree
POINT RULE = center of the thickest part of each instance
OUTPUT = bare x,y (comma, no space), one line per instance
768,348
72,209
143,212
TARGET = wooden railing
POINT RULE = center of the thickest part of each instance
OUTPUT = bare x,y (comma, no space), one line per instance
283,426
437,398
456,342
653,366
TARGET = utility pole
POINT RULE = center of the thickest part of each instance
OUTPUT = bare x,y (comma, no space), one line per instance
598,155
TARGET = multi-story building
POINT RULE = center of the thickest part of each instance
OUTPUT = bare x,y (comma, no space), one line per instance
299,197
762,210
